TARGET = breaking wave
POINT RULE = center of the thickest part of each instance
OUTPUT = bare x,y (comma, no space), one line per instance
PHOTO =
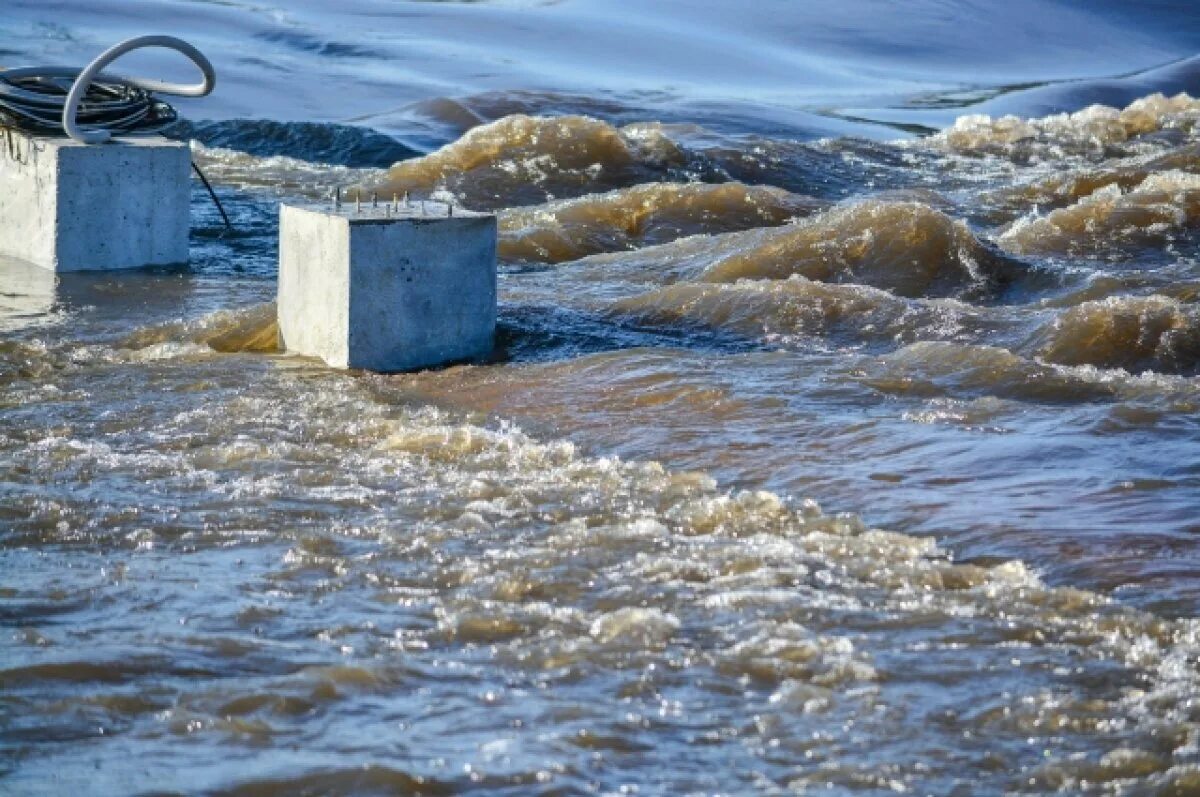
907,248
1111,219
641,215
1152,333
1096,130
1064,187
523,159
251,329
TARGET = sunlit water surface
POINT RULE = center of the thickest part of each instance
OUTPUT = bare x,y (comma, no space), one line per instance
841,434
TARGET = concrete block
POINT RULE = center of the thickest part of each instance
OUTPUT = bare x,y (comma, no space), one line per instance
387,289
66,206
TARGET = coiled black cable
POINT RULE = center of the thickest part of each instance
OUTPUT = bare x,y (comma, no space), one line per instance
32,100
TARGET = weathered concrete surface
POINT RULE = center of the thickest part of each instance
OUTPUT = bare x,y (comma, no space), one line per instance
65,206
387,291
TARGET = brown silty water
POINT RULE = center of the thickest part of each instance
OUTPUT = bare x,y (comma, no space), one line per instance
599,559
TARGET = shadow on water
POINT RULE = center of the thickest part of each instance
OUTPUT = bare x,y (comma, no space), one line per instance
528,333
336,144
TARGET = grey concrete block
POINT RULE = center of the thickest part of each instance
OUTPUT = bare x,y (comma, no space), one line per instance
387,290
65,206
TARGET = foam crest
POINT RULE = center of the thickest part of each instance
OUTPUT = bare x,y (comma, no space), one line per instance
1094,129
1064,187
1110,219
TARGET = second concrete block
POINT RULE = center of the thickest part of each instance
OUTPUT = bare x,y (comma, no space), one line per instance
387,288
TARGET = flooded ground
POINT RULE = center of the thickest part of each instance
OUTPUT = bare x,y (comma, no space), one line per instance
841,434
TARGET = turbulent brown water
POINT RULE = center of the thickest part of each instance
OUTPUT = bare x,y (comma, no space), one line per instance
814,456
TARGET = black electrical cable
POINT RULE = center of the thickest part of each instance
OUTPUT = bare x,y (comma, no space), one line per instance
213,194
34,104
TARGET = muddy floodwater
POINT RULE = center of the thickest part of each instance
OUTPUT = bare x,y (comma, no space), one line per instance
842,434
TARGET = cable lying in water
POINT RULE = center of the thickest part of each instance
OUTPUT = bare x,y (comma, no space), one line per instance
91,106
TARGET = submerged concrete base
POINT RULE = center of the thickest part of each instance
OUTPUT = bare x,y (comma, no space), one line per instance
387,289
66,206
